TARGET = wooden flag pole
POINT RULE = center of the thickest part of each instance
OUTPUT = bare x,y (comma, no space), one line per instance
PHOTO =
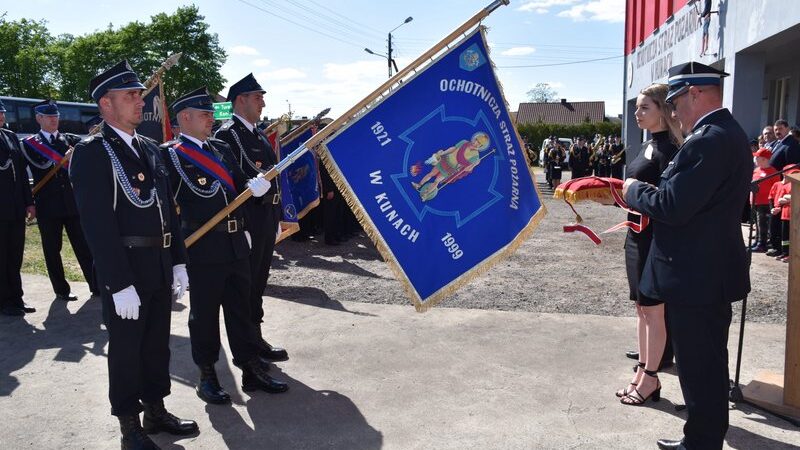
323,134
150,84
305,126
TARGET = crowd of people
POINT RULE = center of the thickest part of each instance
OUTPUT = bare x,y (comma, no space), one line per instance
776,153
603,156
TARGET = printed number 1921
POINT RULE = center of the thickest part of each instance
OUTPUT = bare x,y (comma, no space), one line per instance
452,247
380,133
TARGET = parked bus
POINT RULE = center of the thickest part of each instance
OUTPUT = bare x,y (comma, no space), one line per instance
20,117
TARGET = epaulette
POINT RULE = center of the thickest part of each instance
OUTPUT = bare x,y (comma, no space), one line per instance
700,131
148,139
216,141
91,137
168,144
226,125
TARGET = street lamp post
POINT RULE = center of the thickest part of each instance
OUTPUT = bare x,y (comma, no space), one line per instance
389,60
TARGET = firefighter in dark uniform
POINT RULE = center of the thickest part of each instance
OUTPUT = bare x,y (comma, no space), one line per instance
16,203
124,200
617,158
255,155
55,202
205,177
697,262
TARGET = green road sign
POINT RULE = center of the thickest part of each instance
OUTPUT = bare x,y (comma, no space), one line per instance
223,111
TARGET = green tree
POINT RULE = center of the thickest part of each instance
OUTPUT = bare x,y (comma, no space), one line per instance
27,64
145,46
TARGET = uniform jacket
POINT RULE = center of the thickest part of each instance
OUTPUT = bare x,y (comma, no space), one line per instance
697,256
15,190
55,198
253,153
191,186
107,213
784,188
786,151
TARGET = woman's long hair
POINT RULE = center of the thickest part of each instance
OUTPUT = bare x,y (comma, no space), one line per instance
657,92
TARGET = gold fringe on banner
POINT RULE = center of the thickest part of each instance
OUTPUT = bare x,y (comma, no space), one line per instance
355,204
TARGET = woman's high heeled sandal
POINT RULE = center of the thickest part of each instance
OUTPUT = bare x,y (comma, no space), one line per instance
635,398
624,392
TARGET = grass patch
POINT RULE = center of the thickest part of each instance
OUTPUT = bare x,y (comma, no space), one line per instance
33,259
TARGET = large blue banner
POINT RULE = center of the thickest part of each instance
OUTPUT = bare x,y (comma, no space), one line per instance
303,175
437,174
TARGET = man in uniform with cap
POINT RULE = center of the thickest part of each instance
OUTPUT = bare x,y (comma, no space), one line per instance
697,263
125,202
255,155
16,203
205,177
55,201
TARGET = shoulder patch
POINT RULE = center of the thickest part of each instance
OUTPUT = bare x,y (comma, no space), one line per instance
226,125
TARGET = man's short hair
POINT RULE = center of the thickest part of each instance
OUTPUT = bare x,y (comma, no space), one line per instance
782,123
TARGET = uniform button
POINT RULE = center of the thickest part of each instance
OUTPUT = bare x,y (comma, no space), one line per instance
669,259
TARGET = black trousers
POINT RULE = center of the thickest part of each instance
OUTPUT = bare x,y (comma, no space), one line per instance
12,245
52,230
138,352
332,219
775,232
700,340
262,225
220,285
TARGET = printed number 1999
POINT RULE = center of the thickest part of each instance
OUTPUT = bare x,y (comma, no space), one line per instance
452,246
381,134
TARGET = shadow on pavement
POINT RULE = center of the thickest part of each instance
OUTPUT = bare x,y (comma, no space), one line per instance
310,296
303,418
74,335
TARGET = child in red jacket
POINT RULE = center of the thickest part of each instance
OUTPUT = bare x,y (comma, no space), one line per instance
783,207
759,200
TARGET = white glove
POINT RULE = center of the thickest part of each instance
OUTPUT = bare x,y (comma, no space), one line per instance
126,303
180,280
259,186
249,239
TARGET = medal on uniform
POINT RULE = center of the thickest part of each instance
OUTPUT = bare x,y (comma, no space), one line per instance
202,181
258,164
140,176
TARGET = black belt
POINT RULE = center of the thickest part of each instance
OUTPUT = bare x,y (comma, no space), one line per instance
164,241
226,226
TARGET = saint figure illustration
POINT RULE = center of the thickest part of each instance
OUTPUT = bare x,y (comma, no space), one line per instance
452,164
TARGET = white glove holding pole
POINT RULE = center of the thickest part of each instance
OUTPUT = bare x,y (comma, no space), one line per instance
180,281
259,186
126,303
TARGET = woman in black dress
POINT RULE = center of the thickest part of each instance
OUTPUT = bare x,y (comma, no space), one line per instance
653,115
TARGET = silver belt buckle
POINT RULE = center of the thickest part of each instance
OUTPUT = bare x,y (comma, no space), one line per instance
276,198
233,226
166,240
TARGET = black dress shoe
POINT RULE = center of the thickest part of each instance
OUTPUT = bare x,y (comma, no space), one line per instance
668,444
67,298
209,389
9,310
133,436
271,353
254,377
157,419
632,354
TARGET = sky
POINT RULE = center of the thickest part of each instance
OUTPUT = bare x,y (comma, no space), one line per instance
309,54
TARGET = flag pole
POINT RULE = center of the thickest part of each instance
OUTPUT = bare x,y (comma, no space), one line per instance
150,84
323,134
305,126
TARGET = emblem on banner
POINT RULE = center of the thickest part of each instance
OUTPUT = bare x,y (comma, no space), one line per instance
471,58
466,164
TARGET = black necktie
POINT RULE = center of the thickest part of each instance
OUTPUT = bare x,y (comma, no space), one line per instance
52,139
206,147
137,147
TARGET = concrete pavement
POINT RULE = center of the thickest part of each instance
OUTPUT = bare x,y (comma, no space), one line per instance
368,376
